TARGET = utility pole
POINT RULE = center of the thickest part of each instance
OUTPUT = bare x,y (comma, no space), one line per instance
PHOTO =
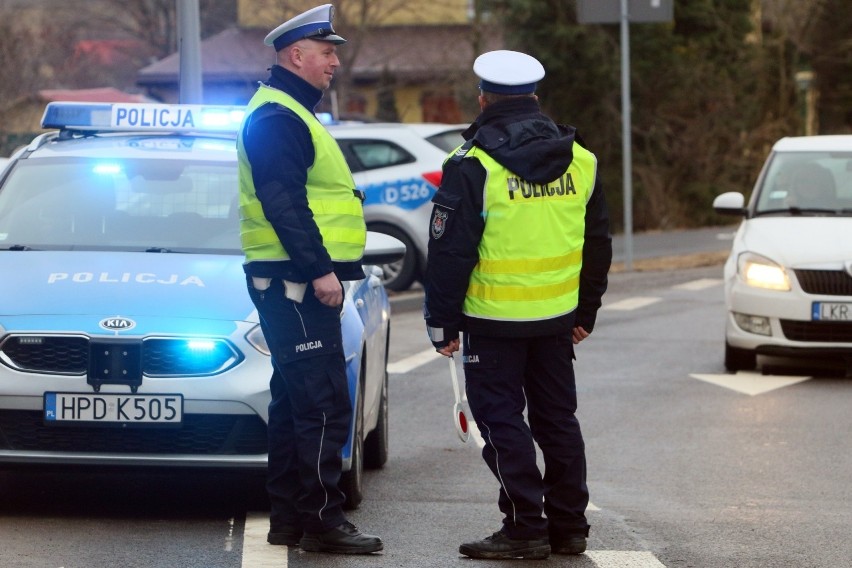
623,12
189,44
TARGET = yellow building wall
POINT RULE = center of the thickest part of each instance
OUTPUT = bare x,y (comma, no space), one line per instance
406,99
270,13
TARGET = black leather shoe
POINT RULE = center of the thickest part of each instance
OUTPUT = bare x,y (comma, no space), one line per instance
500,546
286,535
342,539
571,545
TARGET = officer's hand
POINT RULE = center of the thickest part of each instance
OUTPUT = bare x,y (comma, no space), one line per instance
328,290
579,334
444,340
449,349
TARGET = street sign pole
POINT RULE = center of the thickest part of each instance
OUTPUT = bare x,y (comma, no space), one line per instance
619,12
627,152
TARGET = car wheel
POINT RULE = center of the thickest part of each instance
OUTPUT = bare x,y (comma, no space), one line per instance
351,482
737,359
399,276
376,444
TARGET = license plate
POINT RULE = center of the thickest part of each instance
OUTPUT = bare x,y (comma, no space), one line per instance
107,408
832,311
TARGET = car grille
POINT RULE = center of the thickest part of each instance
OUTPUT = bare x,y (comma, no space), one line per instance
828,332
215,434
161,357
825,282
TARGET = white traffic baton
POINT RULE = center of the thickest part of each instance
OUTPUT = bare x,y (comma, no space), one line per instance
460,418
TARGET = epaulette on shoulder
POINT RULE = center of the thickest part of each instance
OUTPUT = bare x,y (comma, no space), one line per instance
462,151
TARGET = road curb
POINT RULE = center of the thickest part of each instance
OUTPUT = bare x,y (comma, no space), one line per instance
408,301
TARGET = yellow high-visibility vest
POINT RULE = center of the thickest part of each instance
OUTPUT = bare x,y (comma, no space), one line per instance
336,209
531,251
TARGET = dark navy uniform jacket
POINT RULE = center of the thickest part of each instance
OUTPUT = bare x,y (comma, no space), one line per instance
516,134
279,147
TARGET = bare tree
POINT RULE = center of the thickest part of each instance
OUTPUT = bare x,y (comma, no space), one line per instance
32,49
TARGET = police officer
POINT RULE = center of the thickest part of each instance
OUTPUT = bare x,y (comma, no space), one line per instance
302,230
518,260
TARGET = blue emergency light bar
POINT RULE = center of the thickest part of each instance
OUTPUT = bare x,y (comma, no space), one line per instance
142,117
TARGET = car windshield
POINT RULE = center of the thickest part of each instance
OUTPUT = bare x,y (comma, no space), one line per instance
798,183
157,205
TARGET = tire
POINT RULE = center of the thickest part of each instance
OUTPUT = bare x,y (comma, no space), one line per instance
376,444
400,275
737,359
351,482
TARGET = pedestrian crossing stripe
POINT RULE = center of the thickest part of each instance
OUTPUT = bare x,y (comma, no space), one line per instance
623,559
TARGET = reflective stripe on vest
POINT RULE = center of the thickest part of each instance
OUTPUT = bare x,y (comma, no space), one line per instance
531,250
336,210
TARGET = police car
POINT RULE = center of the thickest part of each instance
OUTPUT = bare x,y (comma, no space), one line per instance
788,279
398,167
127,335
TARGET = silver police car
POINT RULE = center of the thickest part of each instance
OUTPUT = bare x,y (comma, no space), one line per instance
127,336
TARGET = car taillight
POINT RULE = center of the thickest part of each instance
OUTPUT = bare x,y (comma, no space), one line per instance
433,177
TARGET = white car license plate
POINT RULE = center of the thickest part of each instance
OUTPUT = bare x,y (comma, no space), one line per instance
832,311
108,408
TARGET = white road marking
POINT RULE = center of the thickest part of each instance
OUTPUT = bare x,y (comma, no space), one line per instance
592,507
413,361
631,304
624,559
700,284
229,540
257,553
750,383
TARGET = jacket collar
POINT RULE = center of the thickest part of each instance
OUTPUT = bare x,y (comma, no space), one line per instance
284,80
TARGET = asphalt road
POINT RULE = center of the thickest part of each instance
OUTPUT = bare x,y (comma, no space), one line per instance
688,466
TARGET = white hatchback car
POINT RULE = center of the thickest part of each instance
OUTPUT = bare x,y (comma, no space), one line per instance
398,167
788,280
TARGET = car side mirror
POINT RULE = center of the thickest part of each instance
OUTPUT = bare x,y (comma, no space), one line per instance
730,203
382,249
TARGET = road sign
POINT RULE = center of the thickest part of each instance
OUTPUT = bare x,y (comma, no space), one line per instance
638,11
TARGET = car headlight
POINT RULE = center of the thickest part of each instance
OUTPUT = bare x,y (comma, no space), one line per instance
760,272
256,339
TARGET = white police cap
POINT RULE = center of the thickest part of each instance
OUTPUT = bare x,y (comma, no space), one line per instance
313,24
508,72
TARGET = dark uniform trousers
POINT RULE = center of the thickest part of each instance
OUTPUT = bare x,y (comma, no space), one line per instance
502,376
310,411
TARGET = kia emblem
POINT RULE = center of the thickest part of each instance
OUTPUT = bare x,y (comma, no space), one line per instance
117,324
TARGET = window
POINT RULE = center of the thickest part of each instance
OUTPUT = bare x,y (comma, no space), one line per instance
373,154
